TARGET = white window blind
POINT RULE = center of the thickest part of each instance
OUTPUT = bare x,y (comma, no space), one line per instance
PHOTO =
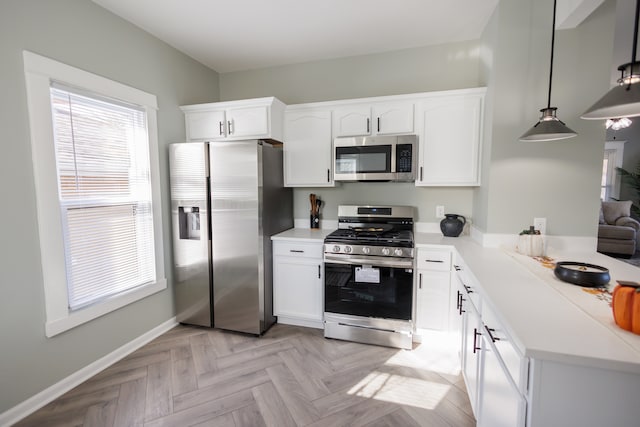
104,183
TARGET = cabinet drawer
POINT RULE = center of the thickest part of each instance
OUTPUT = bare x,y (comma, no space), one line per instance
434,260
515,363
297,249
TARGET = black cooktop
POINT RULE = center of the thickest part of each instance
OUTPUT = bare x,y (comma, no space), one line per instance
374,236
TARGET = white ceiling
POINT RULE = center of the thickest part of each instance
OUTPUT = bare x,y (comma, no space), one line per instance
235,35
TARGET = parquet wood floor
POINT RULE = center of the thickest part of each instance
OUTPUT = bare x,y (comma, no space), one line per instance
291,376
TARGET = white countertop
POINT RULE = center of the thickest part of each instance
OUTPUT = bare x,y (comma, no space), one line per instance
303,234
549,319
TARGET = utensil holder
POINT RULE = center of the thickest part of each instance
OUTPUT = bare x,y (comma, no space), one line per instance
315,220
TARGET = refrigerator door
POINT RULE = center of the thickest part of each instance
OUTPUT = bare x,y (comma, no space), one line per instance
188,167
235,219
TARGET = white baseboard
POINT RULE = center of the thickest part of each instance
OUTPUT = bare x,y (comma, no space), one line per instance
49,394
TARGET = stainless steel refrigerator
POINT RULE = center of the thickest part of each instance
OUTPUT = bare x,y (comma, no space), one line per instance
227,199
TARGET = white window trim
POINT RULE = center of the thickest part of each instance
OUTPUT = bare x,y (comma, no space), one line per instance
39,72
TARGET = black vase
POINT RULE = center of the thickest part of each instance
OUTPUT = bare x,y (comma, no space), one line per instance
451,225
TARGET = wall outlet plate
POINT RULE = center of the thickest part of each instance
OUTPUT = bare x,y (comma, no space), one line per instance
439,211
540,224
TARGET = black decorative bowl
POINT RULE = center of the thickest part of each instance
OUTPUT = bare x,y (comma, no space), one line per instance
583,274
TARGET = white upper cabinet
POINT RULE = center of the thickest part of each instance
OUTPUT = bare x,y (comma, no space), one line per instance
235,120
450,138
307,148
393,118
373,119
354,120
202,125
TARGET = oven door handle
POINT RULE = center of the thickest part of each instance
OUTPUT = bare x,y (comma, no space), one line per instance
378,262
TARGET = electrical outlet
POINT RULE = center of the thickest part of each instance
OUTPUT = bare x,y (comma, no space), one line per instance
540,224
439,211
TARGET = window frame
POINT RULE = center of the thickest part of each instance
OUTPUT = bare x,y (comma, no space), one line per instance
39,74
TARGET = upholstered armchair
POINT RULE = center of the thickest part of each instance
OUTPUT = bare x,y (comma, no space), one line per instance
617,232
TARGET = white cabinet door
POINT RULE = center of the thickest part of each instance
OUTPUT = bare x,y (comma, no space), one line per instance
393,118
354,120
205,125
455,308
298,280
432,305
249,122
307,149
450,135
501,403
471,345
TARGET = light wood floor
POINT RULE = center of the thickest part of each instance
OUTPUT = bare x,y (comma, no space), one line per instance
289,377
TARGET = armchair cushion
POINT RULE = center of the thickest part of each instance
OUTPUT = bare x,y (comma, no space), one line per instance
614,210
627,221
615,232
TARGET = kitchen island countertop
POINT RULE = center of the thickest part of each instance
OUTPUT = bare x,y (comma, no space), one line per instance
549,319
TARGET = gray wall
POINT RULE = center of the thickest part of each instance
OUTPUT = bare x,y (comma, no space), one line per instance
81,34
557,180
451,66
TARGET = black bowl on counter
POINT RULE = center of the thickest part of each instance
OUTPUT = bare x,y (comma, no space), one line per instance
583,274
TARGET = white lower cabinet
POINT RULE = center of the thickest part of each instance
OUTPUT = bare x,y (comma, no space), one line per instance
470,352
494,371
433,289
501,404
298,283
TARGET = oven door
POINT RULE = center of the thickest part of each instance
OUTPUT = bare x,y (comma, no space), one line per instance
359,286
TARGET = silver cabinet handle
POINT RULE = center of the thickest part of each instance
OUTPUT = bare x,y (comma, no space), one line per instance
420,173
221,129
368,125
328,175
434,260
319,267
297,251
229,127
420,281
378,124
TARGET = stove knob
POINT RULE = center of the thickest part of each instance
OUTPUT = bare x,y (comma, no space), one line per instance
385,251
398,252
336,248
366,250
347,249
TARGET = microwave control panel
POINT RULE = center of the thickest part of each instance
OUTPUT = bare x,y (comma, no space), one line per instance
404,158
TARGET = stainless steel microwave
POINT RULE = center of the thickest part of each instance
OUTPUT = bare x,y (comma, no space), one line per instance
375,158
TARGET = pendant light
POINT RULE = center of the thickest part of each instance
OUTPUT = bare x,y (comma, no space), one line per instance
549,127
622,100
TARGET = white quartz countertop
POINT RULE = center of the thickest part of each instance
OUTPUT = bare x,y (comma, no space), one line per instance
303,234
549,319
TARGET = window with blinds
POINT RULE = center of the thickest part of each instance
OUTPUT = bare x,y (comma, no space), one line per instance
104,187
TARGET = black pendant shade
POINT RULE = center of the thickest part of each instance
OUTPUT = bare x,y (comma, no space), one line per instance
549,127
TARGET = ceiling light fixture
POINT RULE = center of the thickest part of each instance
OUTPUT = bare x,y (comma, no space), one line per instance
549,127
617,124
622,100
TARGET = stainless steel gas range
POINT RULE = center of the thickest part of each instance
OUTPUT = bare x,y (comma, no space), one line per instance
368,265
